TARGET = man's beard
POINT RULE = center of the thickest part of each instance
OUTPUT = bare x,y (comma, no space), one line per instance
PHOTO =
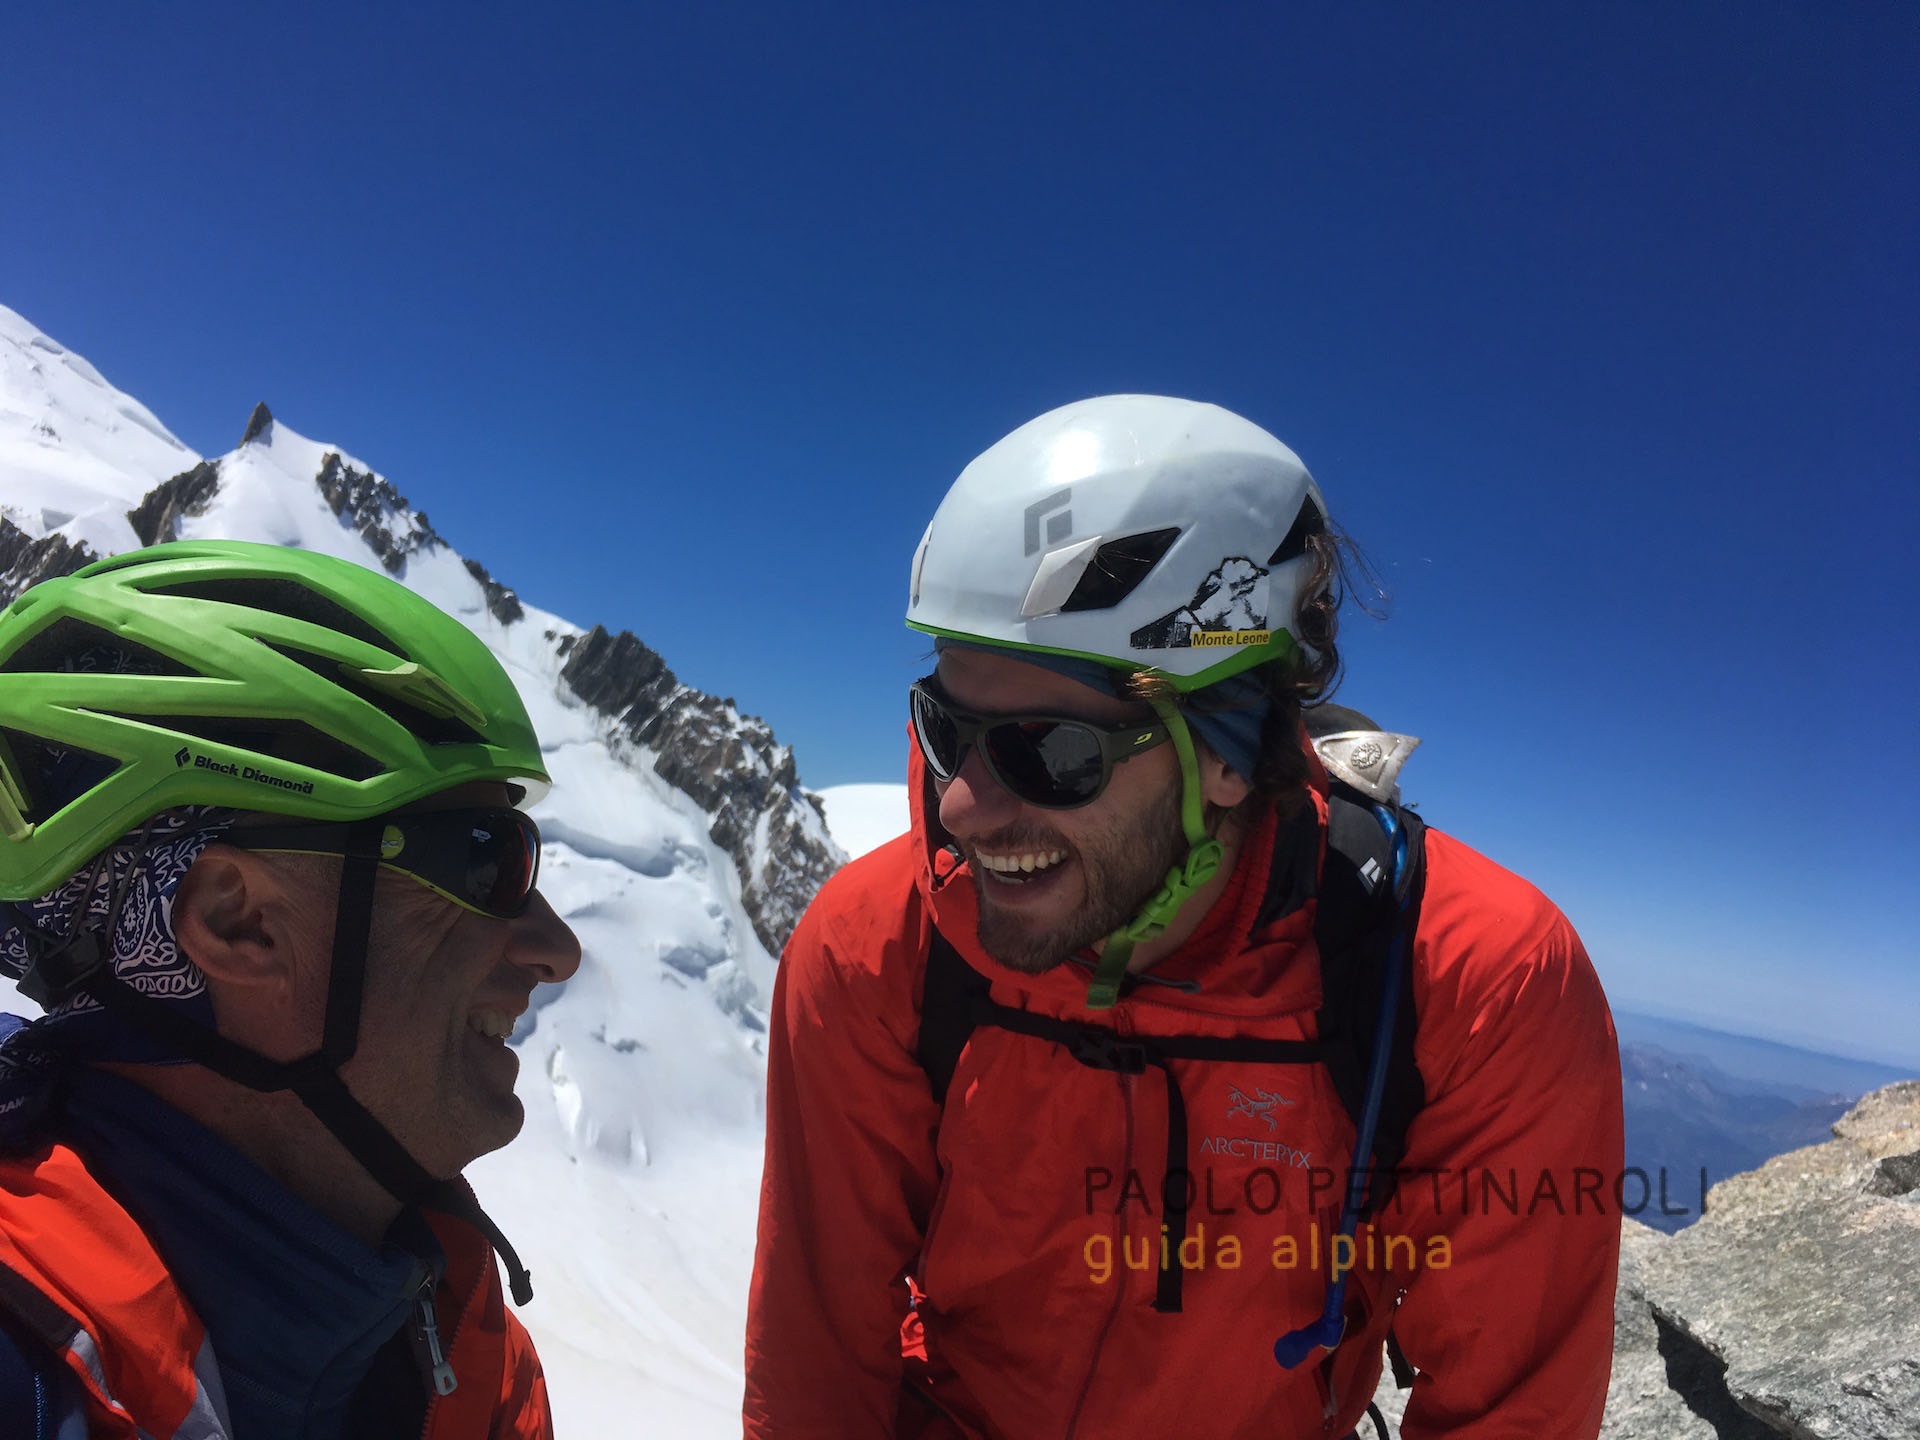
1120,868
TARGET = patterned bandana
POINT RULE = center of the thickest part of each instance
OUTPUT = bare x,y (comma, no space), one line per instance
130,887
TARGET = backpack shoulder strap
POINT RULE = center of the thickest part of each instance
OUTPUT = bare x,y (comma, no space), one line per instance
1355,926
948,996
1359,917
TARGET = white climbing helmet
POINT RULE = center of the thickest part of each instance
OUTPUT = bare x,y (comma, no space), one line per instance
1140,531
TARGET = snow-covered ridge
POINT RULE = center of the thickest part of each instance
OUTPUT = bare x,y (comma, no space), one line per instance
679,845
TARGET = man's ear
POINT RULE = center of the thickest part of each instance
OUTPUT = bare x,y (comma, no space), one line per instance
1220,784
229,917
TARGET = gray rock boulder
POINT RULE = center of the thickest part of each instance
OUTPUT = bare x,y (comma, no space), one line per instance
1791,1311
1797,1297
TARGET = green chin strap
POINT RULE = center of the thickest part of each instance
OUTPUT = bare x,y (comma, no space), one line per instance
1202,862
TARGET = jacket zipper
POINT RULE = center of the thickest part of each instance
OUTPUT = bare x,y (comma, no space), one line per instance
428,1322
1120,1289
1329,1399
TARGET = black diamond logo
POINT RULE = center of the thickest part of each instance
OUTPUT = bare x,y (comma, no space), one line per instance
182,755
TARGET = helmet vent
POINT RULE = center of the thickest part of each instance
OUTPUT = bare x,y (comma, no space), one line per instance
51,777
284,597
434,729
1311,520
70,646
292,742
1117,567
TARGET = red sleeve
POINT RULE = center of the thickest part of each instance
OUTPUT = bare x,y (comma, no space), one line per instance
851,1171
523,1413
1515,1335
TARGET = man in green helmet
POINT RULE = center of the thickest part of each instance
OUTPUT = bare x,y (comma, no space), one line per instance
1087,1099
262,863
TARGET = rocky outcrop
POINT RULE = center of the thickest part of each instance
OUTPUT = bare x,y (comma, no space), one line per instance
257,423
1793,1308
378,512
1790,1312
502,603
729,763
157,518
26,561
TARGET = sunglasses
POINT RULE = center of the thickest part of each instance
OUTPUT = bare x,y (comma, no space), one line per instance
1052,761
483,860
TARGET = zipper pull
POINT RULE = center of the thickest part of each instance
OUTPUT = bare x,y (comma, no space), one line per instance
444,1380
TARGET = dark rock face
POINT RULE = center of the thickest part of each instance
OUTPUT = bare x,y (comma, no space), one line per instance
257,423
157,517
377,512
382,517
502,603
1789,1310
25,561
729,763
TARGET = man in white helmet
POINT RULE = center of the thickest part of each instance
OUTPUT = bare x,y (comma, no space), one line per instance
1152,1081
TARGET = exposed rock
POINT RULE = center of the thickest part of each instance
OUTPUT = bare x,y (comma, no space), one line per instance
1795,1294
1664,1387
377,511
26,561
257,423
1896,1175
502,603
157,518
1789,1312
730,765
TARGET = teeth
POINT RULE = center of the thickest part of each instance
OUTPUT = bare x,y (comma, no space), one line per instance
494,1024
1024,863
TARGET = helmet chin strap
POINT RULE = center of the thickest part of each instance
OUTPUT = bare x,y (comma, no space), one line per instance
315,1078
1204,854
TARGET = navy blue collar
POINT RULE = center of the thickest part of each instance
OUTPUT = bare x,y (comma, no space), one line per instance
295,1308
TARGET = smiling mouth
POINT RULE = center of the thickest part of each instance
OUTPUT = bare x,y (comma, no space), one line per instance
1018,867
493,1024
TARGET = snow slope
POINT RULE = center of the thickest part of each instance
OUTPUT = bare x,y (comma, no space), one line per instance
75,453
631,1195
864,817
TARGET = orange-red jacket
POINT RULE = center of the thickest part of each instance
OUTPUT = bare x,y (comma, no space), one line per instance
1029,1211
80,1276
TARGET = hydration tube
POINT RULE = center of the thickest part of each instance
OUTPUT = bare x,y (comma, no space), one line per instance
1294,1347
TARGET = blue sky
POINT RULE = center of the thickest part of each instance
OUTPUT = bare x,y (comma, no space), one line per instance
1599,326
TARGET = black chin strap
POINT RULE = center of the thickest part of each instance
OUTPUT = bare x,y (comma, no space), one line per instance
315,1078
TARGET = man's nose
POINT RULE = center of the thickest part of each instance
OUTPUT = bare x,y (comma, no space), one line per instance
544,943
973,802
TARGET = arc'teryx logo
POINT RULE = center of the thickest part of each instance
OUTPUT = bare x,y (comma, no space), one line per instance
182,755
1058,526
1258,1106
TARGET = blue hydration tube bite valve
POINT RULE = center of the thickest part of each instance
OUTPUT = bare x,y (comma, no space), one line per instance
1324,1333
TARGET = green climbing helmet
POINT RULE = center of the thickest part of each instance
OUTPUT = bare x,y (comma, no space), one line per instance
220,672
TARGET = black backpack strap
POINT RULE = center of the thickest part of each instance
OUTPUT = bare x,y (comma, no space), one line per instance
34,1334
1361,911
949,999
1359,916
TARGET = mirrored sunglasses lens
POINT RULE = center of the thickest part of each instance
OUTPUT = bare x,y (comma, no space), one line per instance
1048,762
939,736
502,865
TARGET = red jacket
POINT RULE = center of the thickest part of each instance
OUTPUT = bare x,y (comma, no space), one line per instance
80,1276
1029,1212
